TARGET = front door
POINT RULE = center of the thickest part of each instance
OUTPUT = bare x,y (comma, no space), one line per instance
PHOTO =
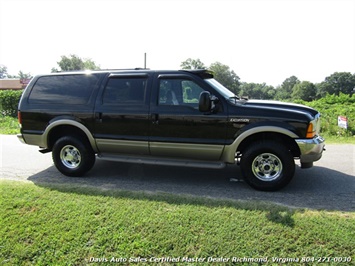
178,128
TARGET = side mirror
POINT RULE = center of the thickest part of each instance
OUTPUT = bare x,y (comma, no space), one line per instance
205,102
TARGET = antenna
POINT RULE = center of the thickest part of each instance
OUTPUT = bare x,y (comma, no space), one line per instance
145,60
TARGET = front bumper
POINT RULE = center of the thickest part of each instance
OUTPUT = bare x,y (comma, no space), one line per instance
311,149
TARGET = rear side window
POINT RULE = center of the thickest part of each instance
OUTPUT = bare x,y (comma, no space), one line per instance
68,89
125,90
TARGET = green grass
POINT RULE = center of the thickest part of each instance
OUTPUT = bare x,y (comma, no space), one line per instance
71,226
332,139
9,125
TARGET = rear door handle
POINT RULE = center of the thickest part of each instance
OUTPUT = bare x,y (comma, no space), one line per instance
98,117
155,119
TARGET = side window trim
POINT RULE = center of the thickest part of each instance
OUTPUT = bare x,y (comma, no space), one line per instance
129,75
174,76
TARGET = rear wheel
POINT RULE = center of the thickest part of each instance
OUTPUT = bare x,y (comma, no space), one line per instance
72,157
267,166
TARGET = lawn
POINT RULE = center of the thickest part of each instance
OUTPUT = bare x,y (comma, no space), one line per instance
41,225
9,125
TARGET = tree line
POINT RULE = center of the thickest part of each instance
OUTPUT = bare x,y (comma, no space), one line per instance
291,89
5,75
66,63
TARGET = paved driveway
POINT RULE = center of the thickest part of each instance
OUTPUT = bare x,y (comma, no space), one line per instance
329,185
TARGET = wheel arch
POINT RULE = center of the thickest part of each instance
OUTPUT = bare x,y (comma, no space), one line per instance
240,144
67,127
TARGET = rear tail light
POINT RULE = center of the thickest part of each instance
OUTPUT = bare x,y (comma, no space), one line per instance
19,118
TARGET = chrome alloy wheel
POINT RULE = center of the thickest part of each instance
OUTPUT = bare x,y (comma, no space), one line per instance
267,167
70,156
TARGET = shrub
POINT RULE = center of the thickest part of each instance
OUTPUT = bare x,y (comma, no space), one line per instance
330,108
9,100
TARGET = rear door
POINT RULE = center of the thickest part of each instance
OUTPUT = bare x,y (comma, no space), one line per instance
178,128
121,114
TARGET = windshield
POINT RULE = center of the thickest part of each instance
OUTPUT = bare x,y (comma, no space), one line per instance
220,88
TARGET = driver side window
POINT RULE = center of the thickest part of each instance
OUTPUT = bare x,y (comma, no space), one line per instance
179,92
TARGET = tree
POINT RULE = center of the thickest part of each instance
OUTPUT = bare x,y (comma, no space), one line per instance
3,72
74,62
225,76
222,73
22,75
257,91
337,82
192,64
305,91
285,91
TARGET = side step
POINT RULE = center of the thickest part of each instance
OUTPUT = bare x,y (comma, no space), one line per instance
162,161
45,151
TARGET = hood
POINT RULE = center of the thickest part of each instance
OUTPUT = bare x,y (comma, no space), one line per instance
276,105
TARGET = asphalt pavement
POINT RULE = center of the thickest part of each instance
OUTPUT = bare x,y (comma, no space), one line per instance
329,185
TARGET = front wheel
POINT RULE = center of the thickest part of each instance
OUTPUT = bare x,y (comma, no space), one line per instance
72,157
267,166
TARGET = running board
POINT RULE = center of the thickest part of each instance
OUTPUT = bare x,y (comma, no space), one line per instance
162,161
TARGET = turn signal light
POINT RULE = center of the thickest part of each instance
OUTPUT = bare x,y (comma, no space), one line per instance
310,131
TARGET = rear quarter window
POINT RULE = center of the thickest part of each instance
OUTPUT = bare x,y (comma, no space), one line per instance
64,89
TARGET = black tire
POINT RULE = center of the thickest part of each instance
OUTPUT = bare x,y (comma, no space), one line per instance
267,165
73,157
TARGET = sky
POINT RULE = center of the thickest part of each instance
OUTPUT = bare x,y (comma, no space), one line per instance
260,40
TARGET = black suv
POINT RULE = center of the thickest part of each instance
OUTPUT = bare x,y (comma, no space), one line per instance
181,118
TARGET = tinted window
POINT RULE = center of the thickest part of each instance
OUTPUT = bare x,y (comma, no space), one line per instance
68,89
179,92
121,90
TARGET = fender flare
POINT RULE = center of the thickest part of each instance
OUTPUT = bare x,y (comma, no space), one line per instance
229,151
69,122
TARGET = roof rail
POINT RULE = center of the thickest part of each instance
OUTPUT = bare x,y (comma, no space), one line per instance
115,69
106,69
